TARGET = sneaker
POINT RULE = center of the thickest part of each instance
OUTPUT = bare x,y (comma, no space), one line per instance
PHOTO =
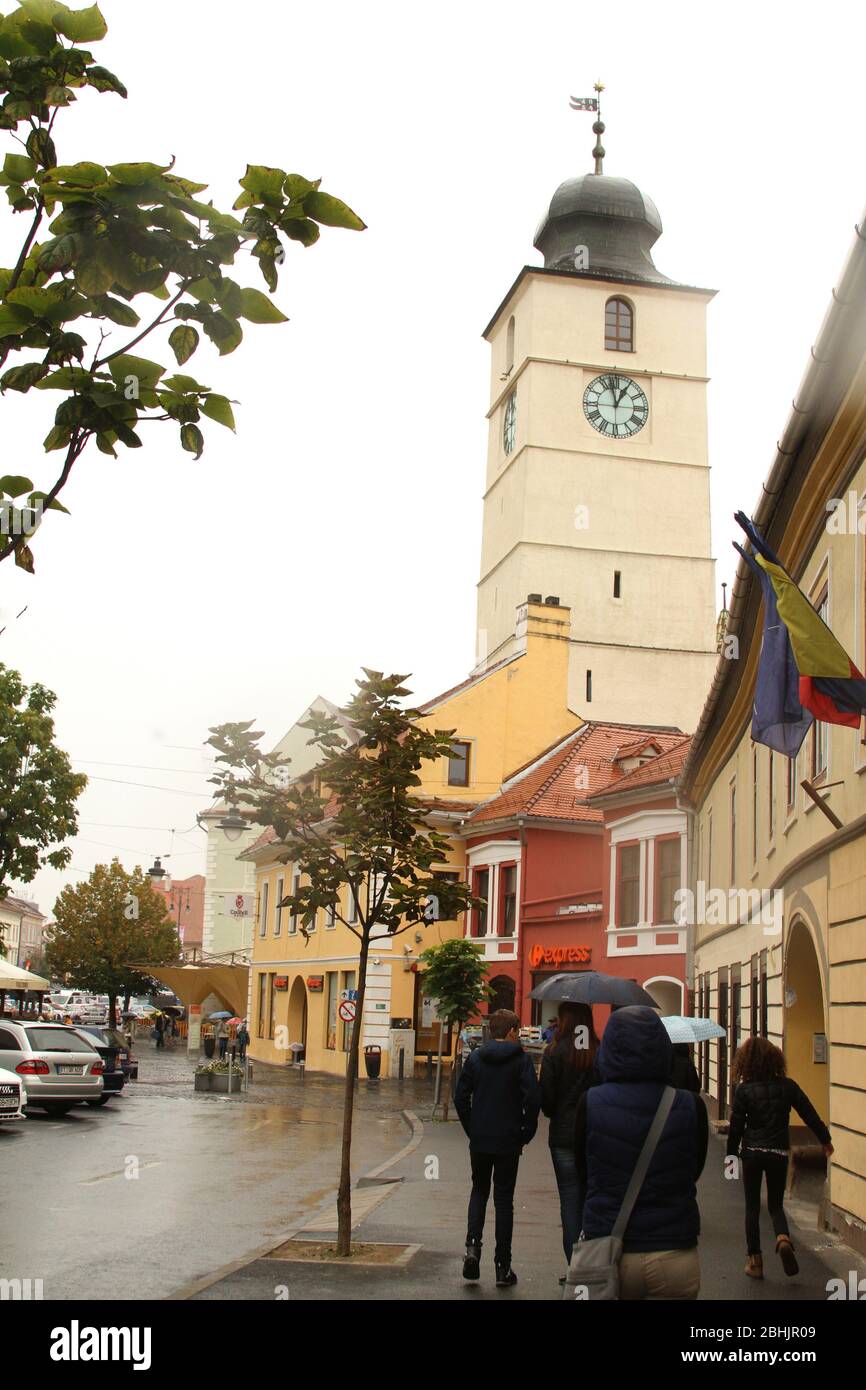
472,1262
505,1276
785,1251
755,1267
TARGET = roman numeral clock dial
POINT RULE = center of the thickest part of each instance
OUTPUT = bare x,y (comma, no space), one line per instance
615,406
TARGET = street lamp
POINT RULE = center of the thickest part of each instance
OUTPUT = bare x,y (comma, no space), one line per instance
233,823
156,870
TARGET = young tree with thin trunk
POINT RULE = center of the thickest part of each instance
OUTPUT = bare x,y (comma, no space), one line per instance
363,831
455,975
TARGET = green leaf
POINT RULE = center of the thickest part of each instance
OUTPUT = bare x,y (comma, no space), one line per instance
129,175
332,212
105,443
40,147
224,331
147,373
22,378
105,81
303,230
24,558
265,184
218,408
19,168
192,440
13,319
13,485
116,311
52,506
57,438
60,253
81,26
184,385
85,174
95,276
66,379
256,307
183,342
296,187
38,301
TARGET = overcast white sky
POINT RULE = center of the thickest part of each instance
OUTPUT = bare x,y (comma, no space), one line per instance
341,526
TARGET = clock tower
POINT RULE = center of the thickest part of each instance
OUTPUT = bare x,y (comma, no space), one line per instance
597,488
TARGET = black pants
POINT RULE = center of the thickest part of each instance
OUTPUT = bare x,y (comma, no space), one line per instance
755,1165
502,1168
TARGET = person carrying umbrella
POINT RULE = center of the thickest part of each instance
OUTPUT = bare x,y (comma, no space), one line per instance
567,1071
760,1137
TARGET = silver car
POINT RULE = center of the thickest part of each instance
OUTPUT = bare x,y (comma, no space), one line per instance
58,1066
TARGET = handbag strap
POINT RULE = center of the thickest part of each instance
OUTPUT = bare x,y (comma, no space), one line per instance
644,1161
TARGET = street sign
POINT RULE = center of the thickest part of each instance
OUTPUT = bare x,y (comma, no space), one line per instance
347,1010
349,994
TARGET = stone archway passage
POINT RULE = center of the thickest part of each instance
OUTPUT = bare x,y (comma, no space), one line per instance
668,995
504,989
805,1020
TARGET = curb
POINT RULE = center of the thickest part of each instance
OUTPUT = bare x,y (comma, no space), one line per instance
261,1252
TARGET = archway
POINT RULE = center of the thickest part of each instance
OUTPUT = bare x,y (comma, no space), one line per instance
503,988
805,1024
298,1012
667,992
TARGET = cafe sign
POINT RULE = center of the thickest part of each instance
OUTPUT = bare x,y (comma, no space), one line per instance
560,955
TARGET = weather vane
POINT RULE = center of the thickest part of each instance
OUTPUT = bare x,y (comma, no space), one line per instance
593,104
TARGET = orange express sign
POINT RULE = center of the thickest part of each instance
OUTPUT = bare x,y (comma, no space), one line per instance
560,955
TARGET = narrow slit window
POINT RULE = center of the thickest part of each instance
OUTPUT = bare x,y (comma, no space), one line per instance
589,687
617,584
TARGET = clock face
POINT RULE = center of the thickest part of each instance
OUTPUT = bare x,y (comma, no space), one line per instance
510,423
615,406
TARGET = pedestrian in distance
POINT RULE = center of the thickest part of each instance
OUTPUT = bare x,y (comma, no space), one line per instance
498,1101
222,1034
684,1075
159,1031
567,1071
243,1040
660,1242
547,1033
759,1136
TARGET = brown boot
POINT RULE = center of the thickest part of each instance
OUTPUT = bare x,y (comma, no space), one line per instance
785,1251
755,1267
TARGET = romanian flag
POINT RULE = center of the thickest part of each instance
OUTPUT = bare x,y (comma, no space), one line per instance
829,684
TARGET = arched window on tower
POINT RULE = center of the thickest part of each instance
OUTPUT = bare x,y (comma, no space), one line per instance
618,326
509,345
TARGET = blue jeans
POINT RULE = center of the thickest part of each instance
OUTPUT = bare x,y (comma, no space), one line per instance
570,1197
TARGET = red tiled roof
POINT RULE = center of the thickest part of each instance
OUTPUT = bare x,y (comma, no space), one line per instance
561,786
661,769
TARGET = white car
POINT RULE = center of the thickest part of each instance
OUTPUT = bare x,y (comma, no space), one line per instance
13,1096
80,1007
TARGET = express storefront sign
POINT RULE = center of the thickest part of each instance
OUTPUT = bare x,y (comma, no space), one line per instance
559,955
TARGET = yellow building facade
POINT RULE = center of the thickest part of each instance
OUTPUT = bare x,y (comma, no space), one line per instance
786,956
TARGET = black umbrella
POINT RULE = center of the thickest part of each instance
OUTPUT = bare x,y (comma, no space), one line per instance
591,987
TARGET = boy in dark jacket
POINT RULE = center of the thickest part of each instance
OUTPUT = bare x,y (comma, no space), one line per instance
498,1101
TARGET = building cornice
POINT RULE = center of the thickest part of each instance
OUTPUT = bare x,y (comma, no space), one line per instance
607,279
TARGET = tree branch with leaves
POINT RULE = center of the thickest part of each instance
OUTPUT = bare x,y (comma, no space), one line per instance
120,234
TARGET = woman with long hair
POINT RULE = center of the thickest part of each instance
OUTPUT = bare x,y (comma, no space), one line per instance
567,1070
759,1136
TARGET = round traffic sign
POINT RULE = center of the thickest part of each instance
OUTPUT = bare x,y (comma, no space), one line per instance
347,1011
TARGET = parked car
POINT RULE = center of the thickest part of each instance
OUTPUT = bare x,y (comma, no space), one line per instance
58,1065
114,1051
12,1096
80,1007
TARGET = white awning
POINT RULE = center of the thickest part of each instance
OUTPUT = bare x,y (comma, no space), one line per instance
13,977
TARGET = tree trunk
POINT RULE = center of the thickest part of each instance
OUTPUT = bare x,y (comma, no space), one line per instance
344,1193
112,1004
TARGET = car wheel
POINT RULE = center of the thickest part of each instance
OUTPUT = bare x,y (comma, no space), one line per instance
99,1100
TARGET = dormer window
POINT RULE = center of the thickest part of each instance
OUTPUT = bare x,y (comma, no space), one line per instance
618,326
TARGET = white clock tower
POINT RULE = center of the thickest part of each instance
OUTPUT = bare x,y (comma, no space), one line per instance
597,490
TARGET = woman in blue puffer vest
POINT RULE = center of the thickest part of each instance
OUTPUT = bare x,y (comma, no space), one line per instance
660,1248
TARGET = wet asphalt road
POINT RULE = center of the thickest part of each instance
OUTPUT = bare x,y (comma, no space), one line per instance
216,1176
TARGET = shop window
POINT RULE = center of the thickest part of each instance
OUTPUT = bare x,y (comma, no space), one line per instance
628,864
667,878
350,981
458,764
480,889
507,899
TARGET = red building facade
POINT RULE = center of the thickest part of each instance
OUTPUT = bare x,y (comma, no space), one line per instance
578,859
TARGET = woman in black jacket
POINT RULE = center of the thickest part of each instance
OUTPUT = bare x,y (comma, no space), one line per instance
567,1071
759,1135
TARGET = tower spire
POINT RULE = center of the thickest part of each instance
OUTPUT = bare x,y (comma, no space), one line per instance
598,130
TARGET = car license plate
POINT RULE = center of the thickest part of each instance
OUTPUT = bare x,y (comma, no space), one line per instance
65,1070
8,1102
